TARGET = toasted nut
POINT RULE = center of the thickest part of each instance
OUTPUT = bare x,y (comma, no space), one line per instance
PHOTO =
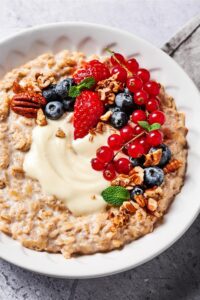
41,119
107,88
153,159
2,184
106,116
136,176
44,80
128,206
155,192
60,133
141,200
152,204
172,166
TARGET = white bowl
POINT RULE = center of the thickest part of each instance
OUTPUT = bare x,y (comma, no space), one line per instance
93,39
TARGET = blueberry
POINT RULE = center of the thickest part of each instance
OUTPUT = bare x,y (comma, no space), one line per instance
63,86
114,109
54,110
137,161
153,176
137,190
166,154
49,93
125,101
68,104
118,119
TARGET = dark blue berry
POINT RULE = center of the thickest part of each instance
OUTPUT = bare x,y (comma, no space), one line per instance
62,88
166,154
49,93
125,101
54,110
118,119
153,176
137,161
114,109
137,190
68,104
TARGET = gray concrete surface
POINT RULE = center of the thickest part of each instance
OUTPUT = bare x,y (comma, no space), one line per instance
175,274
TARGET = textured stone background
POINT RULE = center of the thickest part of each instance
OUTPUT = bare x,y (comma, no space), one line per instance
176,273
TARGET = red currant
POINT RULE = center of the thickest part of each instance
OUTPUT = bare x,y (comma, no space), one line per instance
117,59
137,130
122,165
143,74
134,84
105,154
132,65
154,137
136,150
157,117
109,172
97,165
122,74
152,87
127,133
142,141
138,115
115,141
141,97
152,104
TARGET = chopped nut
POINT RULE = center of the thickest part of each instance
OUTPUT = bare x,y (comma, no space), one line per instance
128,206
2,184
44,80
155,192
107,89
152,204
106,116
172,166
17,172
153,159
122,180
41,119
60,133
141,200
136,176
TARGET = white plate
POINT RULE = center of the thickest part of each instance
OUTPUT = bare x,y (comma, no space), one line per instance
92,39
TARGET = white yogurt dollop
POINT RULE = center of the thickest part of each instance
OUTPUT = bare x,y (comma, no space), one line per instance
62,166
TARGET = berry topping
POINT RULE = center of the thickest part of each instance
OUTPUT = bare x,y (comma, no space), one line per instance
138,115
54,110
136,150
115,141
49,93
152,87
157,117
141,97
125,101
154,138
137,130
134,84
93,68
153,176
68,104
137,190
88,109
117,59
121,73
118,119
143,74
132,65
166,154
109,172
122,165
137,161
97,165
127,133
105,154
152,105
62,87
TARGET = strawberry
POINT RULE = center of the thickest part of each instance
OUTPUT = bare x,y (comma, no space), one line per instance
93,68
87,112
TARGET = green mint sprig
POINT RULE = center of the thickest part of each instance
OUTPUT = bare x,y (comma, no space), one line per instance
86,84
115,195
149,127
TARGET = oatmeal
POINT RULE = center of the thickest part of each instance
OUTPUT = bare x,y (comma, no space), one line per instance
91,156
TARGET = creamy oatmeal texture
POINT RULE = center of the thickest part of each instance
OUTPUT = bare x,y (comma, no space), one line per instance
32,210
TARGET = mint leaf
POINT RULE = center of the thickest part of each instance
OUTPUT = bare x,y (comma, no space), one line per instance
115,195
154,126
86,84
144,124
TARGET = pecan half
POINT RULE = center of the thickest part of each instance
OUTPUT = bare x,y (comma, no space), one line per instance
153,159
27,104
172,166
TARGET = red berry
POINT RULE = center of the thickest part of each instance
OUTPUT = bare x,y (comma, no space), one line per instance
141,97
142,141
138,115
93,68
132,65
88,109
157,117
127,133
105,154
152,104
136,150
109,172
143,74
122,74
122,165
152,87
137,130
97,165
115,141
134,84
117,59
154,138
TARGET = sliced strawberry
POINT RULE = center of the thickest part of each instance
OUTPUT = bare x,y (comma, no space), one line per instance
87,112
